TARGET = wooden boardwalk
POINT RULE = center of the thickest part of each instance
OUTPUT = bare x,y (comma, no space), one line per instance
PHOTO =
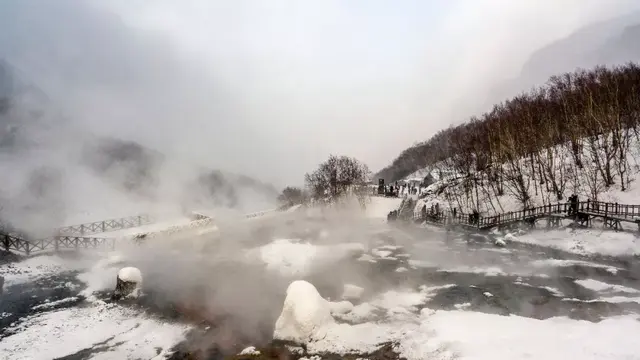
613,215
77,236
104,226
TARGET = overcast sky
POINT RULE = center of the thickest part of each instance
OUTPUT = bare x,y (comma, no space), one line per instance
271,88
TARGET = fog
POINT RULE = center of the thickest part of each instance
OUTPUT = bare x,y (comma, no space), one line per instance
243,85
363,78
266,89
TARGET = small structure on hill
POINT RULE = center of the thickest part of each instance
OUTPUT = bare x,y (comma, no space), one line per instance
128,283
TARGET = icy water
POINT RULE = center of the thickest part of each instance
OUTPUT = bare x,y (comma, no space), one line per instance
467,272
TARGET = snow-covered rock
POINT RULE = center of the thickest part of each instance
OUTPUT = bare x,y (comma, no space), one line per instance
305,315
251,350
352,292
128,283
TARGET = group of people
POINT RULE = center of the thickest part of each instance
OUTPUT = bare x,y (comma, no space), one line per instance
397,190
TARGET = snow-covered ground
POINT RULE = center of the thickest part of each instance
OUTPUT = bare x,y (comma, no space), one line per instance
111,332
584,241
477,192
52,329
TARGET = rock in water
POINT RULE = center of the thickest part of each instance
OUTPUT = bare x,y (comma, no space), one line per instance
305,315
128,283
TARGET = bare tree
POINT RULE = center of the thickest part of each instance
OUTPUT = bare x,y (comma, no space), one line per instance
336,177
291,196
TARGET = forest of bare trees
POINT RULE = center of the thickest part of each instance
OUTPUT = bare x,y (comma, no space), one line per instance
578,133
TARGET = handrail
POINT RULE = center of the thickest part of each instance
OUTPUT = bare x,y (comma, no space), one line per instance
97,227
589,206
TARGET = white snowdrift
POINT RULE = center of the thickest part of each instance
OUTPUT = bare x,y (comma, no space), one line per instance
585,242
305,315
127,333
291,258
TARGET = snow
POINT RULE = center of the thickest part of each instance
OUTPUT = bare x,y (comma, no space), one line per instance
30,269
251,350
291,258
36,267
125,333
565,263
436,334
495,337
352,292
305,314
130,274
600,286
380,207
585,241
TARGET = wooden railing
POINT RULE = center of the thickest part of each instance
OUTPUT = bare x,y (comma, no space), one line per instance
598,208
98,227
73,237
56,243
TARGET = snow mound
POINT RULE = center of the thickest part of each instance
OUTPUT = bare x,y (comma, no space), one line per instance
510,237
128,283
251,350
305,315
130,274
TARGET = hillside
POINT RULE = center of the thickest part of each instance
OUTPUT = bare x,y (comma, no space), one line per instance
578,135
610,43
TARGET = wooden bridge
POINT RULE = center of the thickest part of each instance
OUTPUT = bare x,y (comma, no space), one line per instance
77,236
99,227
613,215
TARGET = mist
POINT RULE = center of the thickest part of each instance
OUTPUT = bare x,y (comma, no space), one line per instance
363,78
241,86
